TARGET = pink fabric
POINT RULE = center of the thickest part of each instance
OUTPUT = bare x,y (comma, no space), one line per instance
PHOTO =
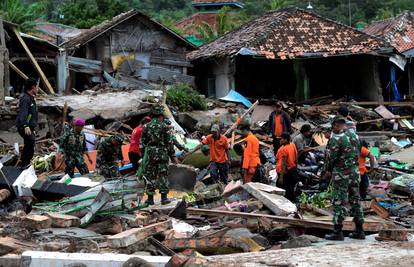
79,122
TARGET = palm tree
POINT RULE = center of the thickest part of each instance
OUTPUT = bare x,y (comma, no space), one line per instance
21,14
224,24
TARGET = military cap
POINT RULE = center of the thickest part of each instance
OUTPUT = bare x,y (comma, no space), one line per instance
157,110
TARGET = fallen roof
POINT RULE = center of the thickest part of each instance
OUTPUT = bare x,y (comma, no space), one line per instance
291,33
398,31
96,31
114,105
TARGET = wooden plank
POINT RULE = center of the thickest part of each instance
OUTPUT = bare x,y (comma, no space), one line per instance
34,62
376,103
383,119
380,211
291,221
370,225
234,126
135,235
24,76
384,112
164,61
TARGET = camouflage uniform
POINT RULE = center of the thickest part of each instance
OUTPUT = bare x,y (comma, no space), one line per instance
108,156
157,141
342,161
73,146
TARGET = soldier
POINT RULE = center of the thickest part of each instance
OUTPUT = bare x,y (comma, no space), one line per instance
109,154
157,142
73,146
341,157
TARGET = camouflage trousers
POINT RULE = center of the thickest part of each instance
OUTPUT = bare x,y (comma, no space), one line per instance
75,162
108,169
156,176
345,189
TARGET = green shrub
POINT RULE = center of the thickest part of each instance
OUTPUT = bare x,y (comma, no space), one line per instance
185,98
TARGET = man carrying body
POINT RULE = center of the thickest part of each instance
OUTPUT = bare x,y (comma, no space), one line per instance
73,146
251,156
286,159
219,158
157,142
26,121
341,158
279,122
134,152
109,155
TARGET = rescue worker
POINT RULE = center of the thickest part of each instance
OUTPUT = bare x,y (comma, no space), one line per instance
109,155
26,120
344,112
286,159
134,153
341,157
251,156
219,157
157,142
303,142
279,122
73,147
365,153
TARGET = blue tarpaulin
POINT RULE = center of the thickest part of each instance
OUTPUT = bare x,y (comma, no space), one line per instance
233,96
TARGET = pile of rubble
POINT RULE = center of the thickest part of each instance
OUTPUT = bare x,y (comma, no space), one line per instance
43,211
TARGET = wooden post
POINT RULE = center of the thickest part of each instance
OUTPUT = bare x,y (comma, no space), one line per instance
34,62
21,74
3,51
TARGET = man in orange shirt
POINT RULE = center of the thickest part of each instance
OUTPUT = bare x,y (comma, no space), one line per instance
286,159
364,183
251,158
279,122
219,159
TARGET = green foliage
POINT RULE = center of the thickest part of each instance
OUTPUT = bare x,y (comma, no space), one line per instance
317,200
21,13
185,98
87,13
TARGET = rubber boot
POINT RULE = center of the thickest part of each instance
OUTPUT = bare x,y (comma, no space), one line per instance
337,234
150,200
358,233
164,199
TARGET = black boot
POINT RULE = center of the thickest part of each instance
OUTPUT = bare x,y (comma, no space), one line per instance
164,199
337,234
358,233
150,200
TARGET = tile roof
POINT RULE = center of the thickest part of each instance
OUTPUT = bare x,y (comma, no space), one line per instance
188,24
292,33
398,31
90,34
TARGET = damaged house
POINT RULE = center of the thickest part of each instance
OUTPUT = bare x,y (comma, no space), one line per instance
293,53
399,32
136,48
23,56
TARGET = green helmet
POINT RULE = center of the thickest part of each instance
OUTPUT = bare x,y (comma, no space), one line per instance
157,110
205,149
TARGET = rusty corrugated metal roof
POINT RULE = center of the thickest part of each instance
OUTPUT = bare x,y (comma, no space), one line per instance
292,33
398,31
188,24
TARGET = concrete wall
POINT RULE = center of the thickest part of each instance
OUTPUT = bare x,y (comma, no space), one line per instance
223,72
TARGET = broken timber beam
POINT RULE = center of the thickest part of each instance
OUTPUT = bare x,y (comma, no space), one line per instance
21,74
234,126
291,221
45,81
384,119
134,235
